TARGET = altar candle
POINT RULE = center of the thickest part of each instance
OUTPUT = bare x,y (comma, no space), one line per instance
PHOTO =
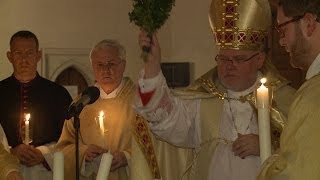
105,165
58,166
264,120
26,135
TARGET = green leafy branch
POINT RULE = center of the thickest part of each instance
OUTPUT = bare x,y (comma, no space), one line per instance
150,15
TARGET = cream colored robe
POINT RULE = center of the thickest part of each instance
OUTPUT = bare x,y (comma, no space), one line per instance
203,141
119,116
8,162
153,158
299,156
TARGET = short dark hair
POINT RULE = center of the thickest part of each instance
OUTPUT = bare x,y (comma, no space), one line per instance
24,34
292,8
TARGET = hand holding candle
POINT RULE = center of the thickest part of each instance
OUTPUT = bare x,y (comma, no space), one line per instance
26,135
263,100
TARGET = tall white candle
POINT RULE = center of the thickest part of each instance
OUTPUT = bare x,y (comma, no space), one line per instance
26,131
105,165
264,121
58,166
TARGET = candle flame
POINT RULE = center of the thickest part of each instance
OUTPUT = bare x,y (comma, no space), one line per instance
101,114
28,116
263,80
101,122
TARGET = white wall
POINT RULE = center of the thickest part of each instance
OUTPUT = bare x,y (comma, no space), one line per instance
81,23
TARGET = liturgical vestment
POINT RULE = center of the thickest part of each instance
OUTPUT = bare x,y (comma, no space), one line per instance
299,156
200,119
8,162
118,120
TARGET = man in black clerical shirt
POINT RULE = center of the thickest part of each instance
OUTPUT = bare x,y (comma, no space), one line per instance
27,92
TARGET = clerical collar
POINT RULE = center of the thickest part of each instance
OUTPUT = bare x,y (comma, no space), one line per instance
113,94
26,83
236,94
314,69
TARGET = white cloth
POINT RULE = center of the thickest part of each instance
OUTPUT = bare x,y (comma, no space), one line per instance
224,164
147,85
314,69
39,172
112,94
3,139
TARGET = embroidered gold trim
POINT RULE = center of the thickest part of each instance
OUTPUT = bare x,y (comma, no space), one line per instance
142,136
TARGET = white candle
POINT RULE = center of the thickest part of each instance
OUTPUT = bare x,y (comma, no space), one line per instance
26,131
105,165
264,121
58,166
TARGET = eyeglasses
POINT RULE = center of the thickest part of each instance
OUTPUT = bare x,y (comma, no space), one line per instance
235,60
109,65
280,29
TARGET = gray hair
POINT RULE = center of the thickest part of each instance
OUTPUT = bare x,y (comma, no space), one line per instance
109,43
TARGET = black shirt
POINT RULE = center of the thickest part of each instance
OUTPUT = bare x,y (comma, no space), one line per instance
46,101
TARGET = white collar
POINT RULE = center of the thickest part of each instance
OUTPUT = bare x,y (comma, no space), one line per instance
236,94
113,94
314,69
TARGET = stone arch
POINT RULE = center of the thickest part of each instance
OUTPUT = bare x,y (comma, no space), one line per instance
83,70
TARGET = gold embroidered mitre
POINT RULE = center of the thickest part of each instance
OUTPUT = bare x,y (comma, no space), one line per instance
240,24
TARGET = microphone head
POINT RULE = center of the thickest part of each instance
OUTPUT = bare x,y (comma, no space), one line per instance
93,93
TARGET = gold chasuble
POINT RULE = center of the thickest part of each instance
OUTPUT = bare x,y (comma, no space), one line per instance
8,162
153,158
119,117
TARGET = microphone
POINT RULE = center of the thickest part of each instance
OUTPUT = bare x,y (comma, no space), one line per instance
88,96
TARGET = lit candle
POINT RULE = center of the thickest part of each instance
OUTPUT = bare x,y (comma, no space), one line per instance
263,95
264,120
58,166
105,165
101,123
26,131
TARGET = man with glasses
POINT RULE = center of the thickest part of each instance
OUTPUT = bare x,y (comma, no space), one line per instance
215,117
298,157
108,59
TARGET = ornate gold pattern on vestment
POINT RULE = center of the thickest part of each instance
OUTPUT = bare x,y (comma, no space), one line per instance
240,24
142,135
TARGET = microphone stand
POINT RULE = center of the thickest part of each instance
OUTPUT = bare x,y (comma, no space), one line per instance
90,95
76,125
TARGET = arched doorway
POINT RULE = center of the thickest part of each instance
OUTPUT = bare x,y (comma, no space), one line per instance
73,80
